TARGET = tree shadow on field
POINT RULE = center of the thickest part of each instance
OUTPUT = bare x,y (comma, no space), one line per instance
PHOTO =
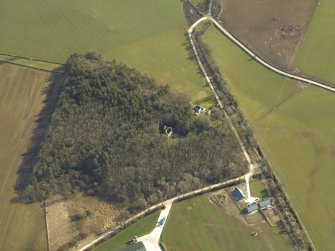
190,53
42,122
188,47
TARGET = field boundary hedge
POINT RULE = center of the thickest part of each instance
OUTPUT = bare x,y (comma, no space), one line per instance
31,59
26,66
292,223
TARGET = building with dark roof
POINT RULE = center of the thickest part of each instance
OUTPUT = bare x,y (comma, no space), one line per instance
238,194
137,246
198,109
265,203
251,208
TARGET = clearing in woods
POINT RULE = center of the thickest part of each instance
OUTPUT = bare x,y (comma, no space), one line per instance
148,35
197,224
21,100
294,125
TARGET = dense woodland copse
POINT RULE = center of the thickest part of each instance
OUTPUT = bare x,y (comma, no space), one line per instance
107,139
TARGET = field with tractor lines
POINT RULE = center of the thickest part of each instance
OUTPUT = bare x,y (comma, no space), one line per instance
294,125
21,100
199,225
148,35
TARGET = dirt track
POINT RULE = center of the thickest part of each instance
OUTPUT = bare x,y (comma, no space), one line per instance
274,29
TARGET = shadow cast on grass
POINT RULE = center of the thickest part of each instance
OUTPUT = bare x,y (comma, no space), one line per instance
190,54
42,122
188,47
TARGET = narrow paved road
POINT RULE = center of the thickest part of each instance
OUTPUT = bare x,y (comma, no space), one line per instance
258,59
231,125
151,240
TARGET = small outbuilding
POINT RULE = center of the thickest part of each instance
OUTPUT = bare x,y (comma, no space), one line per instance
238,194
198,110
265,203
251,208
137,246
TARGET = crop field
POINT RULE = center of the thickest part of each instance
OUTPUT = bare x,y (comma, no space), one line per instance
316,56
274,29
197,224
259,89
295,130
29,63
21,99
140,228
148,35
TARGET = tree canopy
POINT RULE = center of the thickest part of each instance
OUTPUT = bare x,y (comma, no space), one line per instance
107,138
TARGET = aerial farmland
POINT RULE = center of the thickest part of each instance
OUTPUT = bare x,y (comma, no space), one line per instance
316,54
160,125
292,122
147,35
22,97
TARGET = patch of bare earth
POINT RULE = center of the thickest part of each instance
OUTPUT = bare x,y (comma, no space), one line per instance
274,29
77,218
272,216
191,13
223,200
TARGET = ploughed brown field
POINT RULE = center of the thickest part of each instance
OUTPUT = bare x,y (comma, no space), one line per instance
22,225
272,28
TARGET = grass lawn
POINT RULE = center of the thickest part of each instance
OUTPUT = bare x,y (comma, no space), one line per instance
142,227
21,99
148,35
299,141
258,189
295,129
198,225
316,56
258,89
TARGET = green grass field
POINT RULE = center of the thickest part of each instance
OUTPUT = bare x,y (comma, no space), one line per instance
316,56
295,128
148,35
198,225
21,99
29,63
258,89
258,189
140,228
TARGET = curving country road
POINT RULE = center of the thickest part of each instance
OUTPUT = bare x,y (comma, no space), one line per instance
257,58
152,240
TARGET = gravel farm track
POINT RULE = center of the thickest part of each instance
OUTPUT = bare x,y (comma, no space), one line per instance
259,59
154,236
39,81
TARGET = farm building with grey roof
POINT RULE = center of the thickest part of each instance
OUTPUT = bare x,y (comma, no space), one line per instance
238,194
